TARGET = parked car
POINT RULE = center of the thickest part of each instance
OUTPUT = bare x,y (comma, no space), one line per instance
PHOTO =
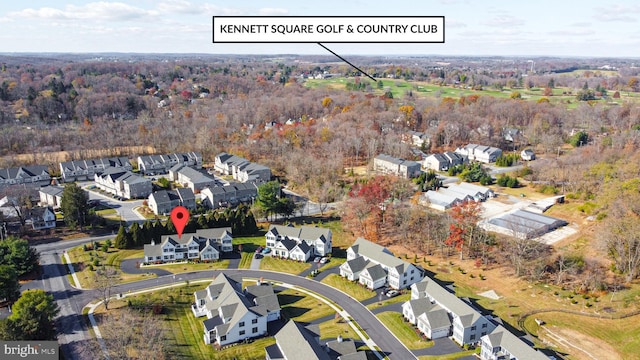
259,249
266,250
258,256
324,260
316,259
392,293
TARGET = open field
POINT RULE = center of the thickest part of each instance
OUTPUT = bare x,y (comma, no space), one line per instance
399,88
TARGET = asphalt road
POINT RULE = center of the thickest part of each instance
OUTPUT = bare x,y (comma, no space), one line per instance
71,301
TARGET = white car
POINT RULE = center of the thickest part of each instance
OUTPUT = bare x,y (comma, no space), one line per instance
316,259
324,260
392,293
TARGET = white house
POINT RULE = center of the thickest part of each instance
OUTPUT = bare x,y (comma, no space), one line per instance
467,324
51,196
160,164
234,314
203,245
240,168
482,153
35,175
399,274
443,161
502,344
163,201
318,239
123,183
42,218
191,178
86,169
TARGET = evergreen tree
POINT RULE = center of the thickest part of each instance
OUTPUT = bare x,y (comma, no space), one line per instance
33,316
74,205
122,239
137,236
9,285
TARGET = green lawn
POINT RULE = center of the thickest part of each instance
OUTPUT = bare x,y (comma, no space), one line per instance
388,301
245,261
332,328
354,289
301,307
283,265
403,330
189,267
453,356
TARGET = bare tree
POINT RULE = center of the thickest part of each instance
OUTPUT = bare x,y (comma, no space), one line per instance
105,278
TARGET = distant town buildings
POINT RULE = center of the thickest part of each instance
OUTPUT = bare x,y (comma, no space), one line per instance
31,176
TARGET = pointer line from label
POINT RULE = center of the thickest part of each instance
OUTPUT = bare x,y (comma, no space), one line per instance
343,59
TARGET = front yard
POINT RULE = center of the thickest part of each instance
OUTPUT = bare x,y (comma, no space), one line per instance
353,289
283,265
403,330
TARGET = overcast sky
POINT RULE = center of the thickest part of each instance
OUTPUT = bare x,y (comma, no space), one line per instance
473,27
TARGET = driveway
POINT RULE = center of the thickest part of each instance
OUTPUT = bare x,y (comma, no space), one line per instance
124,208
130,266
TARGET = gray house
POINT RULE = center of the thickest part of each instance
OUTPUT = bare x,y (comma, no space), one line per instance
189,177
232,194
386,164
79,170
32,176
51,195
160,164
241,169
502,344
123,183
162,202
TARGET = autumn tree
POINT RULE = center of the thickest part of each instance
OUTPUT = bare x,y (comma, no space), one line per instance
464,232
105,279
620,235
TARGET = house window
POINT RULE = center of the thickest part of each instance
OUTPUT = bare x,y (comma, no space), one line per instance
241,323
254,321
484,333
223,338
473,337
472,328
484,325
254,330
241,332
412,271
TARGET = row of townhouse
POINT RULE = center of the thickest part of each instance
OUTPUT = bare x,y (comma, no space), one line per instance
160,164
439,313
233,313
241,169
194,179
203,245
375,266
82,170
35,175
386,164
230,194
163,201
299,243
123,183
51,196
296,341
481,153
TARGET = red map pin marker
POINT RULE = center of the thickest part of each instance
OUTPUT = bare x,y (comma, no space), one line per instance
179,217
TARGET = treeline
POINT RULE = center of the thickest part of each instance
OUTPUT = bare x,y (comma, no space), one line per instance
239,219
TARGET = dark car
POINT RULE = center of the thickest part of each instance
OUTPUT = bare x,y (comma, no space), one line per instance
258,256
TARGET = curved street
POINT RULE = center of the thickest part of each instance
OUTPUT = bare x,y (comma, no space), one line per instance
72,329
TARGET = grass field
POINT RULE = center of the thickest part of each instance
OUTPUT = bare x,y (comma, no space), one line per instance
399,88
403,330
298,306
84,261
332,328
283,265
355,290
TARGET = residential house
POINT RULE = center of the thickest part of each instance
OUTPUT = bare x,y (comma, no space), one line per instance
203,245
386,164
416,138
191,178
240,168
34,175
467,324
443,161
81,170
231,194
512,135
502,344
51,196
162,202
398,274
318,239
295,341
235,314
123,183
42,218
527,154
481,153
431,319
160,164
